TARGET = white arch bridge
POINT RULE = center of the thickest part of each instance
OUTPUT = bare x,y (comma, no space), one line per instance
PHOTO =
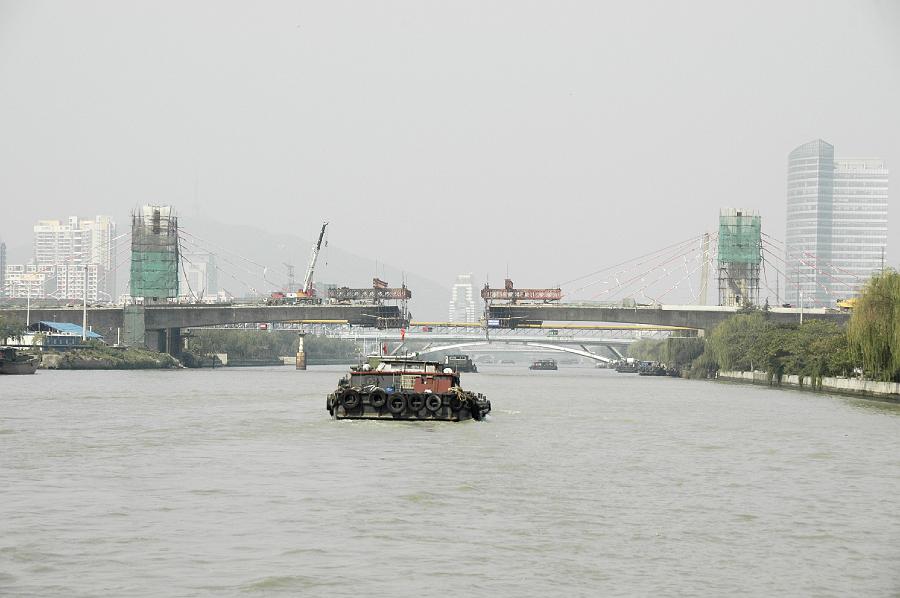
486,346
476,341
441,337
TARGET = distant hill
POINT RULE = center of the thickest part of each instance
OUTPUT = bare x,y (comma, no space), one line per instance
253,260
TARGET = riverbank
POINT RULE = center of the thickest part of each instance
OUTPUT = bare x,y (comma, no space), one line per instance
871,389
108,358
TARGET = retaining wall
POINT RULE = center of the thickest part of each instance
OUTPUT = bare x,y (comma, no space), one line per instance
855,386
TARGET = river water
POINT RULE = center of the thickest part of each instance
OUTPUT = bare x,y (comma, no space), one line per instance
235,482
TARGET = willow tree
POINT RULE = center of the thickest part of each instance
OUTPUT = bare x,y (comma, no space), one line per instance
10,329
874,329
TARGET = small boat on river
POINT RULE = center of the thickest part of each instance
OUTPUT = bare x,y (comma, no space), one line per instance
13,361
460,363
543,364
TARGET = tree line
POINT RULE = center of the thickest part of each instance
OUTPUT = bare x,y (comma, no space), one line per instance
262,344
868,346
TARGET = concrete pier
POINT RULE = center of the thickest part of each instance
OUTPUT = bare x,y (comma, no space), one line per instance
301,354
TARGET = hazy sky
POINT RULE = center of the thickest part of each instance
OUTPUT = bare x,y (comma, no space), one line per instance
552,138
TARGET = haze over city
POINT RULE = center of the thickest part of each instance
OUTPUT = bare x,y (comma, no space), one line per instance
539,140
427,299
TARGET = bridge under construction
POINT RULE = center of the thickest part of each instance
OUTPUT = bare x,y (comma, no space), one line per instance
626,297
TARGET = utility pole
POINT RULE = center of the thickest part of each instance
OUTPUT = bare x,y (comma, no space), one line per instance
28,304
84,307
290,273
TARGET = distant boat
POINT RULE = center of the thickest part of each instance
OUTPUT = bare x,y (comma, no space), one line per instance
460,363
543,364
627,367
17,362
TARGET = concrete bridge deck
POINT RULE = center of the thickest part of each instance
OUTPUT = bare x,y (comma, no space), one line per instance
685,316
157,322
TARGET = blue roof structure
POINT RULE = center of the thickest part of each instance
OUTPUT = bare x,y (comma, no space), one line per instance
65,328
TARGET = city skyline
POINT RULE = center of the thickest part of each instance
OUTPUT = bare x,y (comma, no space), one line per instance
72,259
563,149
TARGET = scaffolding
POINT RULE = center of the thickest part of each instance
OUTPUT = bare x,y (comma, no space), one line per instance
154,254
740,256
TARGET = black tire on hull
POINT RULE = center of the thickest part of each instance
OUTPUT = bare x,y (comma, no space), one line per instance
396,403
433,403
416,402
378,398
350,399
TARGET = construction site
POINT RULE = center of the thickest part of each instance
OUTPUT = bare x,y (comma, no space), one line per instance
155,255
739,257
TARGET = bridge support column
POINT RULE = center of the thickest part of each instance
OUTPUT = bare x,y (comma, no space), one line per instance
134,332
174,343
167,340
301,354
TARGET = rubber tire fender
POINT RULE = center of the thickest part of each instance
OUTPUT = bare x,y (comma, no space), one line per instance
455,403
350,399
377,398
416,402
433,402
396,403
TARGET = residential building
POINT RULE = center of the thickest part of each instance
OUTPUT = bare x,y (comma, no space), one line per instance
54,281
23,281
76,242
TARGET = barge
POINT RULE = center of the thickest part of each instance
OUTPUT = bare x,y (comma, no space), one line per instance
402,388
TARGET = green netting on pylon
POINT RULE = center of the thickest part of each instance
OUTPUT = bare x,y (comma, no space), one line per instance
154,274
740,239
155,257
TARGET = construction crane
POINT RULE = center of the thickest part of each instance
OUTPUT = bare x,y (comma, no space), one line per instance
307,294
307,289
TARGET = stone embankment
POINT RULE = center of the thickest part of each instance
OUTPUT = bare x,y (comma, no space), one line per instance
887,391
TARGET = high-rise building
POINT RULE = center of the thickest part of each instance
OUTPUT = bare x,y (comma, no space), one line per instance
79,242
859,231
836,224
810,192
462,300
